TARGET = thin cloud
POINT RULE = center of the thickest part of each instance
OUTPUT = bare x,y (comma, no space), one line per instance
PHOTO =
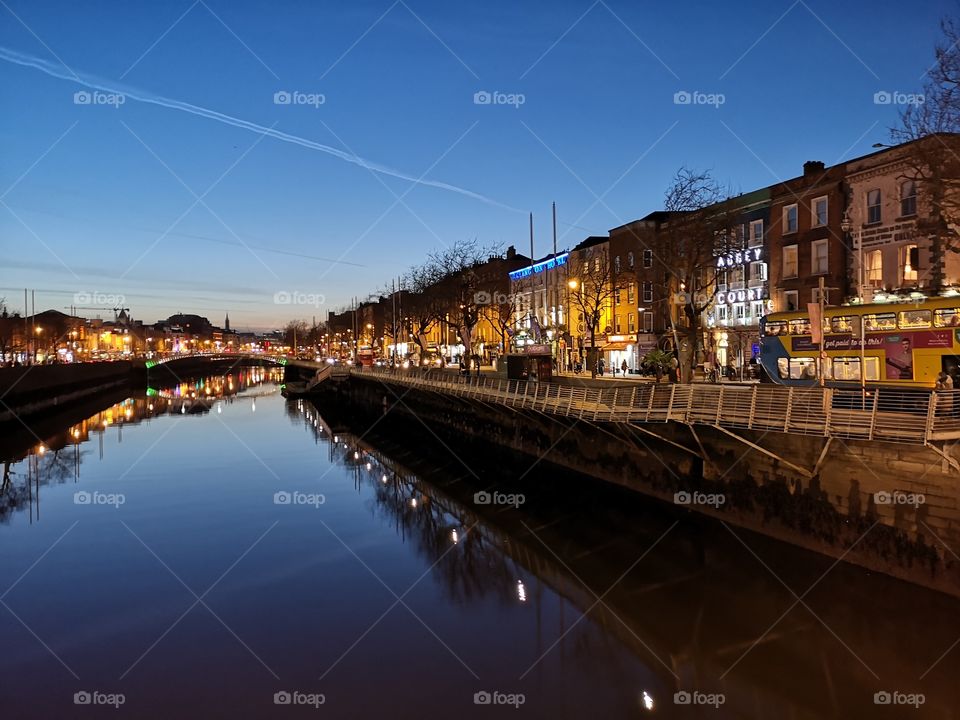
17,58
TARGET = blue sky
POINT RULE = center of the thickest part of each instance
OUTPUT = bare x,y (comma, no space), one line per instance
101,200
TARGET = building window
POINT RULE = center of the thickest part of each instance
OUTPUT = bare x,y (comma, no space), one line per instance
790,218
758,271
791,302
874,214
910,258
648,322
874,267
616,264
630,258
908,198
648,292
648,258
721,314
819,216
631,295
790,261
631,328
618,330
756,233
818,257
756,309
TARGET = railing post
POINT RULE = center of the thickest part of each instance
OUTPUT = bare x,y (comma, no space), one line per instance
616,398
786,419
873,414
931,416
828,407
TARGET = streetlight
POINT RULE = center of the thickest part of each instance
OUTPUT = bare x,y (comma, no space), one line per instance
846,225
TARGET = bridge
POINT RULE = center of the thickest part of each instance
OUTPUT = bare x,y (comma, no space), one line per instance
930,419
212,357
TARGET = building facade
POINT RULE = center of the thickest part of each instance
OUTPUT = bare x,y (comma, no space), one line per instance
806,238
741,284
892,255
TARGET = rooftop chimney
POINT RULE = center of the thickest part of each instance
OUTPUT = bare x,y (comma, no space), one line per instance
511,252
812,166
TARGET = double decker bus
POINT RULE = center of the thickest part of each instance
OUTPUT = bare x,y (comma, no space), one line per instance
905,345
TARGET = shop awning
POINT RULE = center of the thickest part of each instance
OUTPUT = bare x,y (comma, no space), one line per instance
615,346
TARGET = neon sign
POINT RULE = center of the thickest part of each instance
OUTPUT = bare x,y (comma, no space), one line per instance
540,266
740,257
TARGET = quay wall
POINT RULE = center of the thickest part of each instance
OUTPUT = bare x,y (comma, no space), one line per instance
26,391
836,512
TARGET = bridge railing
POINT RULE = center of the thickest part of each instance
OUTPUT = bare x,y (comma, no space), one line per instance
891,415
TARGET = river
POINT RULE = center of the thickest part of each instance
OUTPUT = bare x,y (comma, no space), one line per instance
213,550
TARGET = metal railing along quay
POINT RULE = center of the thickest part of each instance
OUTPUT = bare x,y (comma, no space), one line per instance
889,415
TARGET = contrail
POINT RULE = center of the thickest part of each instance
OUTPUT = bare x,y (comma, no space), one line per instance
63,73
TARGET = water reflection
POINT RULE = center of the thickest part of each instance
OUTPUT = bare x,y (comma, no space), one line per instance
57,458
588,599
707,610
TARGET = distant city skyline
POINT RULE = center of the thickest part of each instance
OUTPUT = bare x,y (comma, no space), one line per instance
211,158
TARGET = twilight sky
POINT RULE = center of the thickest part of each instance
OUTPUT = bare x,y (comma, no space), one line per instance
260,152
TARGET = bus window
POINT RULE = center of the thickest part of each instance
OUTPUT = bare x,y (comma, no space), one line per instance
803,369
782,367
914,319
880,321
848,368
800,327
775,328
841,324
947,317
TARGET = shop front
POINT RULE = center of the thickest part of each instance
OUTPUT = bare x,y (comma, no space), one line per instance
618,350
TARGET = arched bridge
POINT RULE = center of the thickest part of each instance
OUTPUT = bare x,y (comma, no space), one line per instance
180,365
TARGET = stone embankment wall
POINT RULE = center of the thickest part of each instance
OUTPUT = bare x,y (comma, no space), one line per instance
26,391
887,507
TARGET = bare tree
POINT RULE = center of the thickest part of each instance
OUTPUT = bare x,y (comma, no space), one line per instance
698,229
421,308
295,333
461,288
595,280
931,123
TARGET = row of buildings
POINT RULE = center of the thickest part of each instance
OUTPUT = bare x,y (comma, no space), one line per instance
54,336
860,230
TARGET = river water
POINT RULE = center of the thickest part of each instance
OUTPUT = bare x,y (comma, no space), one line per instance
213,550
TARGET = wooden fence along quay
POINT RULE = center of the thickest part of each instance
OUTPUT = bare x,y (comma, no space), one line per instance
883,415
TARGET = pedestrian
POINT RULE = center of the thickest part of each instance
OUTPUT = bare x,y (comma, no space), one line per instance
600,367
945,397
674,369
623,367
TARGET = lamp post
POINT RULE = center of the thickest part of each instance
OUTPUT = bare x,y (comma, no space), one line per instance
846,226
573,285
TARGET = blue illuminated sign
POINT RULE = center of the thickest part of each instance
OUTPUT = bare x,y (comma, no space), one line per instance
540,267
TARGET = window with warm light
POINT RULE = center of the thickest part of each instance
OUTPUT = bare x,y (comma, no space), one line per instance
910,257
874,267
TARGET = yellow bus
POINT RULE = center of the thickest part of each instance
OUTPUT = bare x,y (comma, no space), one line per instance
906,344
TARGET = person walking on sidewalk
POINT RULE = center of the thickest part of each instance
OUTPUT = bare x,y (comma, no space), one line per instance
623,367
